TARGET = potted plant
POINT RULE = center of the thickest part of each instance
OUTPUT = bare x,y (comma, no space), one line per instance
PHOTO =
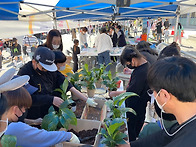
110,82
116,111
55,120
75,81
88,79
111,133
98,73
8,141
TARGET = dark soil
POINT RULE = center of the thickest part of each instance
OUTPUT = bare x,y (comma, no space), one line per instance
94,113
86,136
79,108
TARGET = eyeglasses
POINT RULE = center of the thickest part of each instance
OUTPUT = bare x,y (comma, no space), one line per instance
150,92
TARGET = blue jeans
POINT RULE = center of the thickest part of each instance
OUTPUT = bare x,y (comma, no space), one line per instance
104,57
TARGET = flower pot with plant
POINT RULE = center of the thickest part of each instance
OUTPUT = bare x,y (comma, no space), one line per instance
88,79
111,133
55,120
98,74
110,82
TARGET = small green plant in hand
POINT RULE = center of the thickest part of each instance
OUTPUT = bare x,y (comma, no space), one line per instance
111,133
55,120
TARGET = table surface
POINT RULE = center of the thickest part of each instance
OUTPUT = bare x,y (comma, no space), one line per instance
93,52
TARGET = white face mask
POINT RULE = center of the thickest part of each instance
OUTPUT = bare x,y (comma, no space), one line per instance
62,68
1,133
160,106
55,46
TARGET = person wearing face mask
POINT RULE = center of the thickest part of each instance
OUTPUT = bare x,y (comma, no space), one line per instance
44,75
54,40
172,80
83,38
18,101
60,61
137,84
120,36
3,115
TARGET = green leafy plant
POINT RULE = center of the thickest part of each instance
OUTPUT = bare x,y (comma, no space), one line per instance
55,120
111,133
8,141
88,77
75,80
116,111
100,71
110,82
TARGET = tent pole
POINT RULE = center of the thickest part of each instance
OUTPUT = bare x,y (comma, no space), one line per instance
177,20
54,19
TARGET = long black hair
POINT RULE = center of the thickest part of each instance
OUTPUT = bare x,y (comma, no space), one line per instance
144,46
179,26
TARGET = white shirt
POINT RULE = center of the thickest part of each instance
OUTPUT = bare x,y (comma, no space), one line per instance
103,43
83,38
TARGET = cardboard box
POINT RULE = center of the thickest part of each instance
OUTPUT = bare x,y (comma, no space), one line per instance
101,105
83,124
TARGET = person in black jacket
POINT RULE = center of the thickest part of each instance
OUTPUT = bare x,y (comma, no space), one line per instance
44,75
120,36
76,50
113,36
16,51
138,84
144,48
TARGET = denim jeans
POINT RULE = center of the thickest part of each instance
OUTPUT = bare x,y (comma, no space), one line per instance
104,57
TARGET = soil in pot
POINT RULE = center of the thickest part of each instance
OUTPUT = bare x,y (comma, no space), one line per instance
86,136
79,107
94,113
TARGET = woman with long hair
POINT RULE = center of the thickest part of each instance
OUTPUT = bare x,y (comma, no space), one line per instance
179,31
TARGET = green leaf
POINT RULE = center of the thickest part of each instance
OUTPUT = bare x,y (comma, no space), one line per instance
68,117
119,138
124,110
64,86
59,90
50,122
66,103
117,113
110,104
114,127
51,109
8,141
122,97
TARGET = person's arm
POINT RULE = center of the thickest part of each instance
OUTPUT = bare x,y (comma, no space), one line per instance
31,136
81,96
115,93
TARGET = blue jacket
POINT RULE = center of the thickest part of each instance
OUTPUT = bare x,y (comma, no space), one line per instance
28,136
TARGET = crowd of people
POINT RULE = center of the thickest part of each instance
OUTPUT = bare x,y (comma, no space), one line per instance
164,83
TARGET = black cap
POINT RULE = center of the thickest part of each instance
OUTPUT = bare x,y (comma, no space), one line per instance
45,57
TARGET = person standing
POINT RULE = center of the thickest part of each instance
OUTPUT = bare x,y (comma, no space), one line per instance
83,38
179,32
76,50
166,23
73,34
30,43
159,29
166,33
120,36
113,36
16,51
104,44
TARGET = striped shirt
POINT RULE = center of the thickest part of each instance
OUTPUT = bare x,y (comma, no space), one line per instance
31,41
